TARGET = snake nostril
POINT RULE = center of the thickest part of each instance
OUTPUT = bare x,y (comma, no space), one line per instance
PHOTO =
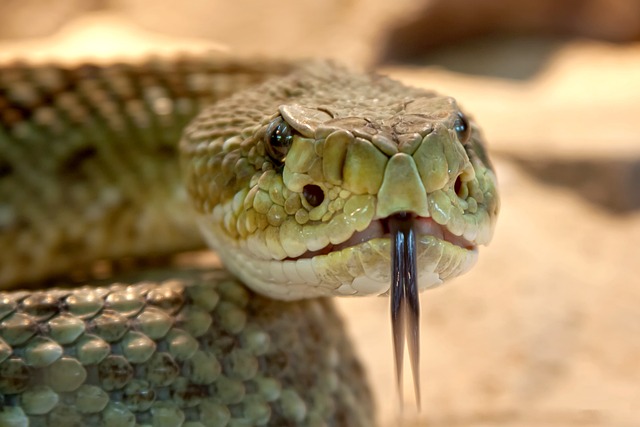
313,194
457,185
459,188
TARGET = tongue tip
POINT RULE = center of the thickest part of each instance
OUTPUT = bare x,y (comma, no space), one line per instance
405,302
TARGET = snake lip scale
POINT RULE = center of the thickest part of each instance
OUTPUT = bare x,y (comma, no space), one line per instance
380,229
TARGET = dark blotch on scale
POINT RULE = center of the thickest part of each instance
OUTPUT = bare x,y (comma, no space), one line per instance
75,160
313,194
5,169
405,302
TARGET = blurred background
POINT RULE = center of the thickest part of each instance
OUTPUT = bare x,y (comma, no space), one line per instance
545,331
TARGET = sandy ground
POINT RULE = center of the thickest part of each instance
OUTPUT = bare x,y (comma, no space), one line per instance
546,330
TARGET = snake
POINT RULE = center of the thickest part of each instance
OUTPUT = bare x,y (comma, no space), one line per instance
308,179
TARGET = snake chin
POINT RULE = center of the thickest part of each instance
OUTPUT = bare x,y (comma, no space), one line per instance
379,228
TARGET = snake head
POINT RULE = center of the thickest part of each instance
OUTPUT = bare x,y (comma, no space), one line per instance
295,183
332,183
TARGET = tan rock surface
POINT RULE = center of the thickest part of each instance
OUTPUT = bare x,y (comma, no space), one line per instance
440,22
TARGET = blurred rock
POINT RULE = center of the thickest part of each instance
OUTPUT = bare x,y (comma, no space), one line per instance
348,30
103,37
442,22
610,183
353,31
34,18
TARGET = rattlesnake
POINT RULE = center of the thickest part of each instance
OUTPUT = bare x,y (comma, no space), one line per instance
308,179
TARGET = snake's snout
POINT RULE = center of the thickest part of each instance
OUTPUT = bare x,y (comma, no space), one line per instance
401,191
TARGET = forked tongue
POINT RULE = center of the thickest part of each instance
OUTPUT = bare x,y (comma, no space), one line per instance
405,304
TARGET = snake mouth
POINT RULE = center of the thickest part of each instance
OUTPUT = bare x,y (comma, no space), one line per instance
380,228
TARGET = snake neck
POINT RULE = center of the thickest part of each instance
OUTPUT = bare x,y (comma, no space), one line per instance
88,158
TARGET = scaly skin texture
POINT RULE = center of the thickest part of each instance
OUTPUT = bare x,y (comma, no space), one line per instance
105,182
89,171
187,348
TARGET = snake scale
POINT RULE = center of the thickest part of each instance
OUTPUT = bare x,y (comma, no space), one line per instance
308,179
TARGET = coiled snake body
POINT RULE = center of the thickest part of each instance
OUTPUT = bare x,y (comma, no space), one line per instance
309,180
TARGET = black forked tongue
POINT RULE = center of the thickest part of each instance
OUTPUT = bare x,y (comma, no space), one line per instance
405,304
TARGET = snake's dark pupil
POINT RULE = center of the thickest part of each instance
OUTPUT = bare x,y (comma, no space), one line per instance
279,139
313,194
462,128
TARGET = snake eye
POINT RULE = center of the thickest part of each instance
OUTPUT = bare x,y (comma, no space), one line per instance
462,128
313,194
278,139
